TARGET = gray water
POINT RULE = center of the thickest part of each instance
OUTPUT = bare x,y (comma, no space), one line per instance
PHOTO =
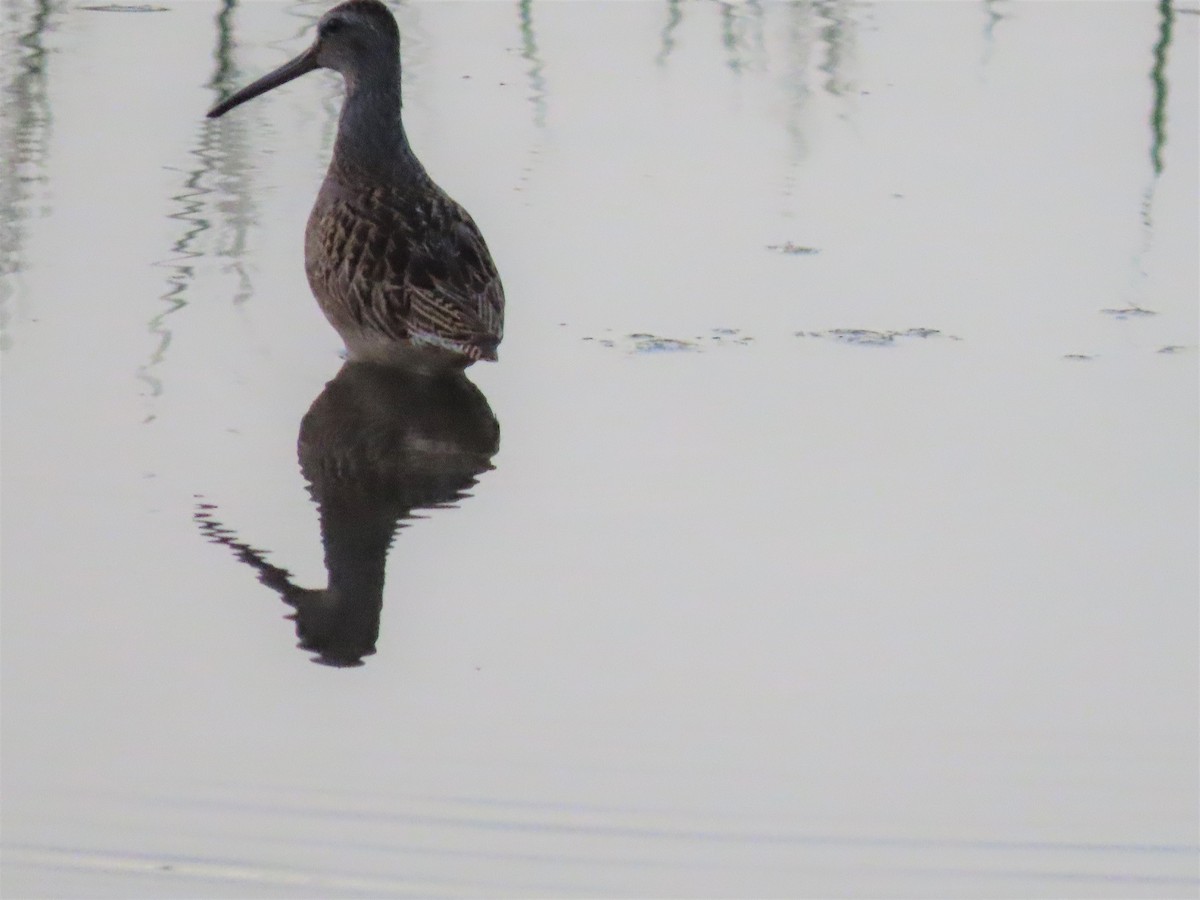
839,536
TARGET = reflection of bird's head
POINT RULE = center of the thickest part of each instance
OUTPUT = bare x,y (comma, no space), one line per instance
340,633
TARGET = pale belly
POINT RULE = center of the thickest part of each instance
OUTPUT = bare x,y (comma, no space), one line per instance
412,355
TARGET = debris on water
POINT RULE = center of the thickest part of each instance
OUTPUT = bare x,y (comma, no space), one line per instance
730,336
1173,348
649,343
644,342
1080,357
1129,312
862,336
791,249
866,337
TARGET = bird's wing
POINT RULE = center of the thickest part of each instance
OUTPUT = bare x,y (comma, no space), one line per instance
408,270
453,289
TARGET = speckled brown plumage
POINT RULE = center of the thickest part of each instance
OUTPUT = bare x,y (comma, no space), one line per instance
403,266
399,269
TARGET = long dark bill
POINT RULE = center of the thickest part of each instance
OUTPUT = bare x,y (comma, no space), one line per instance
305,62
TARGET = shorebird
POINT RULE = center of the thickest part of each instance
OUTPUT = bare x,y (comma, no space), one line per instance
398,268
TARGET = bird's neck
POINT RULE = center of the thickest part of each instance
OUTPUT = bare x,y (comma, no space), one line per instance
371,143
357,537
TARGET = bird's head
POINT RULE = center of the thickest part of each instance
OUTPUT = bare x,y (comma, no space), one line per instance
358,38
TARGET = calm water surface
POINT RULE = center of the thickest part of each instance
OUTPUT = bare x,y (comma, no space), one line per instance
827,528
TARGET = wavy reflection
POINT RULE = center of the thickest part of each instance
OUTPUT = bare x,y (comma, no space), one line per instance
667,35
741,33
24,137
529,53
375,446
220,156
838,37
995,13
1158,143
1158,77
798,29
802,45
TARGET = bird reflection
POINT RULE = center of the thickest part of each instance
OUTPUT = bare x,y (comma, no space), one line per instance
376,444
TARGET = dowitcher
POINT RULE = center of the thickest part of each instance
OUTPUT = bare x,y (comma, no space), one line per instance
399,269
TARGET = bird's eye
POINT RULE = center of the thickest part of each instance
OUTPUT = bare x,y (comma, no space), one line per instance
332,26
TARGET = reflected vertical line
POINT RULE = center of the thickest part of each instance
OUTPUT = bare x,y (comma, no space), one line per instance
529,53
1158,76
1158,141
994,18
218,150
223,70
742,34
224,148
795,86
538,91
25,130
836,36
189,203
757,41
667,36
730,37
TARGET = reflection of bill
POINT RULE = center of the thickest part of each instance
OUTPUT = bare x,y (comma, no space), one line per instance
376,445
